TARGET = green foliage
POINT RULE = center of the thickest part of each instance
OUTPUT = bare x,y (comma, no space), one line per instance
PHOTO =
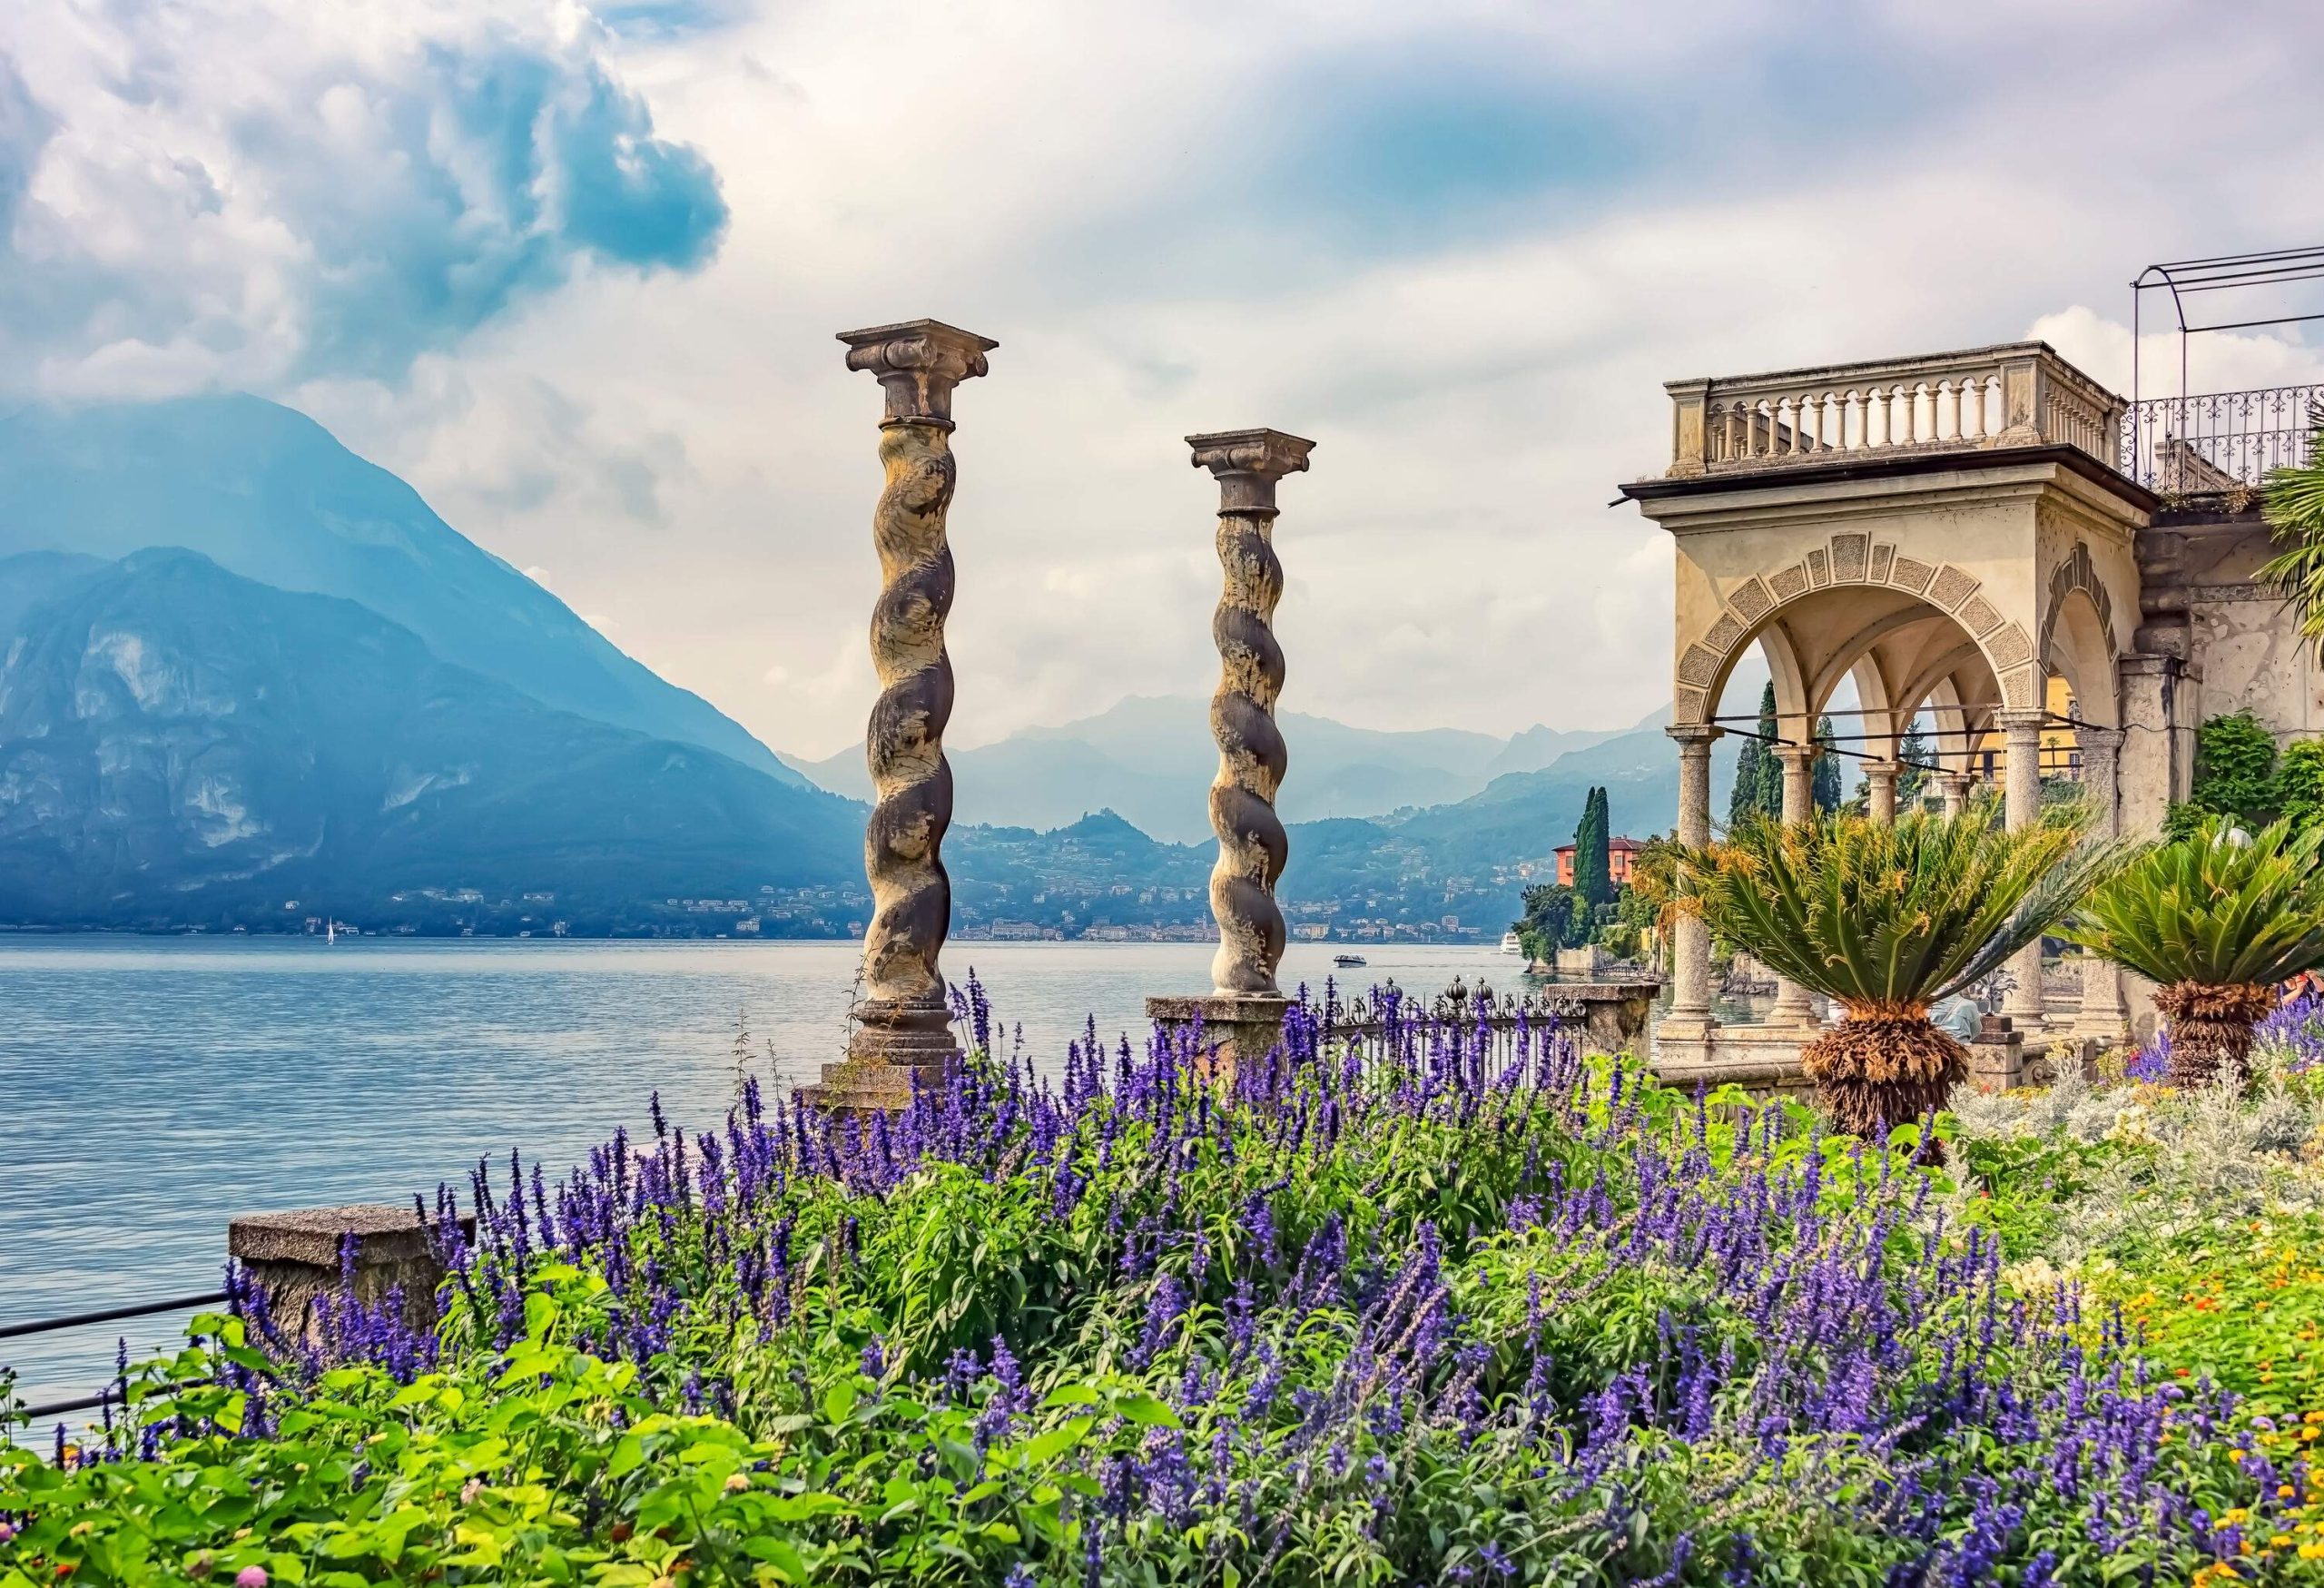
2211,911
1892,916
1759,775
1593,873
1823,775
1912,777
1555,918
2293,504
2235,775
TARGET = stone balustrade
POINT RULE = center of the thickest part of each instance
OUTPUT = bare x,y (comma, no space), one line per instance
2017,394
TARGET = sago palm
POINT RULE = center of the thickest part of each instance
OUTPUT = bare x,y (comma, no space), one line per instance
1885,919
2216,921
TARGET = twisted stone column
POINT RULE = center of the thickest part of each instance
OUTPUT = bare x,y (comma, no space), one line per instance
1794,1005
2105,1014
2021,807
904,1030
1245,1006
1252,846
1689,1014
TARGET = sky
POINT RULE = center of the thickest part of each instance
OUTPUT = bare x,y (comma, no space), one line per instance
575,274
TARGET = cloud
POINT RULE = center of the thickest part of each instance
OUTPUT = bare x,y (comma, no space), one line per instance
1460,245
257,193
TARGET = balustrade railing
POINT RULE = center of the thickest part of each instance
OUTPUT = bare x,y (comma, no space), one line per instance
2225,441
2015,394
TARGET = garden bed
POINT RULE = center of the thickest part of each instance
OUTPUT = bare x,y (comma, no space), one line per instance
1397,1312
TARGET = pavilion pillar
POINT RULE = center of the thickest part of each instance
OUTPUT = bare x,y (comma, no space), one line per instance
2105,1014
1794,1005
1880,790
902,1035
1243,1015
1689,1014
2021,807
1955,787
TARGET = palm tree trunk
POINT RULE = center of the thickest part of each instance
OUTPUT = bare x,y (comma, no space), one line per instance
1881,1068
2212,1030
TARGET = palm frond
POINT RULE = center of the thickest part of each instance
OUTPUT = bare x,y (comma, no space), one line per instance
2293,501
1893,915
2214,911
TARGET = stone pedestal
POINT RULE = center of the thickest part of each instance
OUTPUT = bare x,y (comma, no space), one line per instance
1997,1055
298,1257
1235,1028
1612,1016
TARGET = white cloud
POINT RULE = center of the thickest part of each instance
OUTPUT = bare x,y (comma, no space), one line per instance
1133,201
245,192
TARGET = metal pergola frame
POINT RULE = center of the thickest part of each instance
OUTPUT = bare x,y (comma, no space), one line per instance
2227,272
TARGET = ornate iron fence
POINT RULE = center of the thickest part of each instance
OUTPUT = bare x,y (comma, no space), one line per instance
2226,441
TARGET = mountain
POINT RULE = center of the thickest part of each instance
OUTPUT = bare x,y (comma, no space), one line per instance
1150,760
178,743
266,493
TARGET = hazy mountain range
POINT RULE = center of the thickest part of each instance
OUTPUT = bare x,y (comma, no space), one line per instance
241,666
266,493
1149,759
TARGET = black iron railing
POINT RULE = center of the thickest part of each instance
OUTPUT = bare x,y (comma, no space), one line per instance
74,1321
2225,442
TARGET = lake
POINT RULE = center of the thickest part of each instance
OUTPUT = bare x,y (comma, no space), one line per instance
155,1088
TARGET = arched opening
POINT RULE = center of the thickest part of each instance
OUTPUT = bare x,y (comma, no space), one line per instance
1874,660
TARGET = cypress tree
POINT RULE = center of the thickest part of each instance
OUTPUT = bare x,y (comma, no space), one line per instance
1911,779
1759,775
1825,774
1593,880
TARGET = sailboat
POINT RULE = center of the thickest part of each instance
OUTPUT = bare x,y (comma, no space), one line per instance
331,932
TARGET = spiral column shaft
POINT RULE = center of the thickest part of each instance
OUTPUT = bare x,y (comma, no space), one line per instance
1244,1013
903,1033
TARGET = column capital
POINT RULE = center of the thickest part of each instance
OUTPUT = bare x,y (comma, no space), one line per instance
2096,741
2017,722
918,362
1797,755
1693,735
1248,463
1880,768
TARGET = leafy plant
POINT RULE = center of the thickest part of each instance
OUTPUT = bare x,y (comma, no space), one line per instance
2216,920
1885,919
2293,502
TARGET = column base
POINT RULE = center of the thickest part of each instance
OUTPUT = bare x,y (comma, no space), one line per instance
894,1049
875,1086
1235,1026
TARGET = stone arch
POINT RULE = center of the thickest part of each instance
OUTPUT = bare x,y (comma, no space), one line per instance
2079,639
1855,558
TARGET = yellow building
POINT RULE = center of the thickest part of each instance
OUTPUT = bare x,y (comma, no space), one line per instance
2060,755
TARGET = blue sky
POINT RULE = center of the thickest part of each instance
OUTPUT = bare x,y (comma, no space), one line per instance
575,272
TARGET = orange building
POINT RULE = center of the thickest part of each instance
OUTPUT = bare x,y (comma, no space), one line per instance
1617,860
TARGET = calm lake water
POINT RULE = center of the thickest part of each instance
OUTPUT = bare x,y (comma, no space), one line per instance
152,1088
